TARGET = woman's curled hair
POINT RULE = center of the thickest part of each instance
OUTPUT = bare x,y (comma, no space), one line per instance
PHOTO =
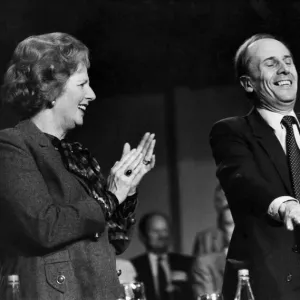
39,69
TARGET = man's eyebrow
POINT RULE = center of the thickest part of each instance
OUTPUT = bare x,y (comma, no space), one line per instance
269,58
274,58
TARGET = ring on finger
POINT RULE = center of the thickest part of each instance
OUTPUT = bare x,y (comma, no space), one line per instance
128,172
146,162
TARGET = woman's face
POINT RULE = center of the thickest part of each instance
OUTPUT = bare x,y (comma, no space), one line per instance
70,106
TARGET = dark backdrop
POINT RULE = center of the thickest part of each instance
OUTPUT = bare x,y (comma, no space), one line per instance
146,45
150,46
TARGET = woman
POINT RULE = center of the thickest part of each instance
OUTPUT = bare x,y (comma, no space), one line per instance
61,223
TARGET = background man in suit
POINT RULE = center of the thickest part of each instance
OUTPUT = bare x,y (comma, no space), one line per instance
164,274
257,160
209,262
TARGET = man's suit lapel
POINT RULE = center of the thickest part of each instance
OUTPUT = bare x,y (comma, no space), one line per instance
267,139
148,277
174,262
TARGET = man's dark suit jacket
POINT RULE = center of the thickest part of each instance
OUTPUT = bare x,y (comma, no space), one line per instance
52,233
253,171
178,263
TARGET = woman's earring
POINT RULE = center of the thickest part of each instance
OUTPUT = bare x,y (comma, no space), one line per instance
53,103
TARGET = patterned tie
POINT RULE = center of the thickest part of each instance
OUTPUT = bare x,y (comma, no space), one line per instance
162,279
293,154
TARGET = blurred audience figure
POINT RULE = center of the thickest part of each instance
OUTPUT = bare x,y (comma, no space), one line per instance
211,249
125,270
211,239
165,274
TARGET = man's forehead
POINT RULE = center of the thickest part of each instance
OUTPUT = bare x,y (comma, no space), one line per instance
157,221
265,48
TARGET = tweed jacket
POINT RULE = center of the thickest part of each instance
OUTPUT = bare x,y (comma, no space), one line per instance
52,233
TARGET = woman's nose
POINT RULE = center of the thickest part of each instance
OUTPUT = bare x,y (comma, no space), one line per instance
90,94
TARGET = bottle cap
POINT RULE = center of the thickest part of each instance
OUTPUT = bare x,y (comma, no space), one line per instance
13,278
243,272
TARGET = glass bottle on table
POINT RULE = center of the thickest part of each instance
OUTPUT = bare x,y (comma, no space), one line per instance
213,296
12,289
134,290
244,290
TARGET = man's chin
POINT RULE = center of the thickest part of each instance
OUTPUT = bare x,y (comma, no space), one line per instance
287,97
288,101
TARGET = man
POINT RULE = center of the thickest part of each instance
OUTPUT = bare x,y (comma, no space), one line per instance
208,267
164,274
257,161
211,240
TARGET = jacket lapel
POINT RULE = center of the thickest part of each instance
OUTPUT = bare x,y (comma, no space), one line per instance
267,139
36,135
149,279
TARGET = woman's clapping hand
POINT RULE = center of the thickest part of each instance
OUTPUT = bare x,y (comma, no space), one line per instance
127,173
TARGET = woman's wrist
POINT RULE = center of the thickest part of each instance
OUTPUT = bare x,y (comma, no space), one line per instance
132,191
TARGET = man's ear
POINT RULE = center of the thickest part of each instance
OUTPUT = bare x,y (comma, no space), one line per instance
246,83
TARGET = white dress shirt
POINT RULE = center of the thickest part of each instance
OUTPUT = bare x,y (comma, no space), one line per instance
274,120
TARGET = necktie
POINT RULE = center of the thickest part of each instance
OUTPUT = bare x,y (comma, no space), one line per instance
162,279
293,154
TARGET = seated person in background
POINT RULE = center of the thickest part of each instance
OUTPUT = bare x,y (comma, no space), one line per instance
211,239
208,269
164,274
125,270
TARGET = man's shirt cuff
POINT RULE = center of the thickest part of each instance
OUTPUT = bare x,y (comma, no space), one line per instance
273,209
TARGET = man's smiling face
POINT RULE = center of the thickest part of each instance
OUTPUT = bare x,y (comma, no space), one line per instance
272,75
